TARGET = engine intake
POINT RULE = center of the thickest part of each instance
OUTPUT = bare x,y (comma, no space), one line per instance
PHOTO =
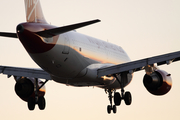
24,88
158,83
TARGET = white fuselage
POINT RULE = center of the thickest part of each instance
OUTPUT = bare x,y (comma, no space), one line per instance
75,59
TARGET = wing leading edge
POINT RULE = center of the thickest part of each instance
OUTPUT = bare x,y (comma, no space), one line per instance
25,72
140,64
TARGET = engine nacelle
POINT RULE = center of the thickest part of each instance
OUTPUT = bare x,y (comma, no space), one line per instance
24,88
158,83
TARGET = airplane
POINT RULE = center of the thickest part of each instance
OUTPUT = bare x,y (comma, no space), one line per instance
68,57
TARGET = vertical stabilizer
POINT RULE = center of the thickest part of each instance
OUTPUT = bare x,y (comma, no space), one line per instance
33,11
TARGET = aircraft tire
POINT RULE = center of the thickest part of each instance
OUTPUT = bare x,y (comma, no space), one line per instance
117,99
114,109
109,109
127,98
31,103
41,103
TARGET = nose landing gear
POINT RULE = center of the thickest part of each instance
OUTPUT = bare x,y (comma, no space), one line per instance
111,107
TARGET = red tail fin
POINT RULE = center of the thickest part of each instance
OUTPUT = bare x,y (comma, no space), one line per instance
33,11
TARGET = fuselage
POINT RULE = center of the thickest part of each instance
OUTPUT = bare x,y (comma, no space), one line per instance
72,58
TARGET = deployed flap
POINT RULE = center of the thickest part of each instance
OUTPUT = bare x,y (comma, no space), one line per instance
139,64
5,34
60,30
25,72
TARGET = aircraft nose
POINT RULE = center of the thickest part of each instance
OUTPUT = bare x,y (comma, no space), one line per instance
20,28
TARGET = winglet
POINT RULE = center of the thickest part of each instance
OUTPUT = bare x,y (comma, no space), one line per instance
60,30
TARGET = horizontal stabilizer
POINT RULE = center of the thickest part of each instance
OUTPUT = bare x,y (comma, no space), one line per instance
5,34
60,30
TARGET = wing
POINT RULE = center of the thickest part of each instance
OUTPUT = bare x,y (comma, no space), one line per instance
25,72
139,64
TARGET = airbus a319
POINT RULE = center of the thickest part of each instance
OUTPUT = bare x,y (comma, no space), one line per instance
68,57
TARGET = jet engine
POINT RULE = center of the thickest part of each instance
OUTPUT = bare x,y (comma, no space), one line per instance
158,82
24,88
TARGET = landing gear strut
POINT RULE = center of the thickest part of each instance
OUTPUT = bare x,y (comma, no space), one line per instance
40,100
126,96
111,107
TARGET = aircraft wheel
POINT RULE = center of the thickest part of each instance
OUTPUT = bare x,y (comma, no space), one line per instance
109,109
127,98
31,103
117,98
114,109
41,103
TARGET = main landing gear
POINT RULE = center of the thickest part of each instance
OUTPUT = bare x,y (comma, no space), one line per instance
117,100
126,96
40,100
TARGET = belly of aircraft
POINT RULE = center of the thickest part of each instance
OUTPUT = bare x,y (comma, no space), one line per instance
58,64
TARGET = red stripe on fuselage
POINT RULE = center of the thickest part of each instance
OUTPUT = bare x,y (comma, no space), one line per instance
32,42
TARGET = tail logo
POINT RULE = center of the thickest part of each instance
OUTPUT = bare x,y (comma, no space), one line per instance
30,8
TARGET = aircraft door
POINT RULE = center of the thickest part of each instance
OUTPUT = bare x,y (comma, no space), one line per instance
66,45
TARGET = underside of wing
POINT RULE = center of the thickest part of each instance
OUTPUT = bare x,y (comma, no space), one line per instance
25,72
